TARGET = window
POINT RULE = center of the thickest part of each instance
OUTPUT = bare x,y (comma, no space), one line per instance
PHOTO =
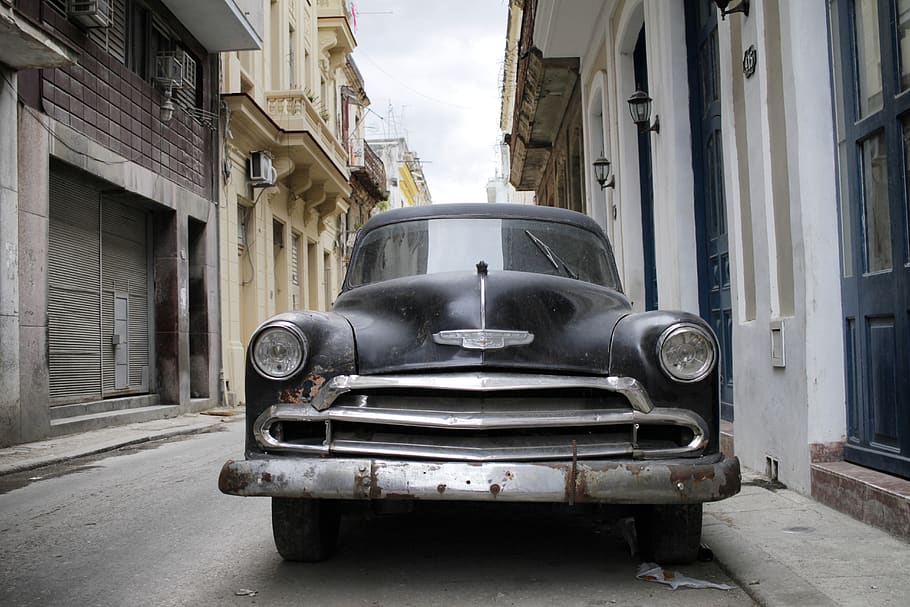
292,63
113,39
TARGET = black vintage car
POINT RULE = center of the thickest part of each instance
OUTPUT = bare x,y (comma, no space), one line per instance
483,352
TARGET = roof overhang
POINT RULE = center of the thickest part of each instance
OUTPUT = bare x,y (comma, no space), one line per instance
25,45
219,25
544,92
564,28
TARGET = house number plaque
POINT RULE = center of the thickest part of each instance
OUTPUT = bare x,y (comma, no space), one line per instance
750,59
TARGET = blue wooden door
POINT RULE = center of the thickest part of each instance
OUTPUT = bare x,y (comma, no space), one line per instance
870,38
715,302
645,180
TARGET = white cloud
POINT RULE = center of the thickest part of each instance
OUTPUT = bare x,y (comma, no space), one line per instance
437,65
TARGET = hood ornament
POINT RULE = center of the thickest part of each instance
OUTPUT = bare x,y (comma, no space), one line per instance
483,338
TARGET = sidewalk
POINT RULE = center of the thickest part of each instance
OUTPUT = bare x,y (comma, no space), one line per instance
786,549
28,456
782,548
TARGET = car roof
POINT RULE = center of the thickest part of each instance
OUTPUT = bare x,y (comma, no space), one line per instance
480,210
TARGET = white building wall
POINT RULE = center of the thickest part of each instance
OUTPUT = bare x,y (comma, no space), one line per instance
780,200
814,183
671,149
628,235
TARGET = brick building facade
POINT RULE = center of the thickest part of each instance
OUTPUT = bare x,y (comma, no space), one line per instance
117,311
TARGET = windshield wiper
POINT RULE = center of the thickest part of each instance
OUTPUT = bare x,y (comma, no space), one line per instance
555,259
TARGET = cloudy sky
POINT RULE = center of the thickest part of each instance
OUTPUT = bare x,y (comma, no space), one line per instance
431,69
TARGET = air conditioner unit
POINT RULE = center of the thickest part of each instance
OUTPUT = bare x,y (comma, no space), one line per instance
261,171
89,13
175,69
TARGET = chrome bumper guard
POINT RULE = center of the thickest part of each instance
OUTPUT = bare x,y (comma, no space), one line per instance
691,481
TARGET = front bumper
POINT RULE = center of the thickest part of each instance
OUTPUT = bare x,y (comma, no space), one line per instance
677,481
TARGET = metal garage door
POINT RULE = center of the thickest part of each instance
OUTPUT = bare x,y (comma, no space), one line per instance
98,293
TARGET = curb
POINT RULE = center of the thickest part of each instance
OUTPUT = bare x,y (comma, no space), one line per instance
766,580
29,456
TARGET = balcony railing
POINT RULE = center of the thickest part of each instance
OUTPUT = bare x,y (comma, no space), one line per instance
334,8
293,111
368,169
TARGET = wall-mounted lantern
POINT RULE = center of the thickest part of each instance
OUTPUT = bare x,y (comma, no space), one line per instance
602,173
640,108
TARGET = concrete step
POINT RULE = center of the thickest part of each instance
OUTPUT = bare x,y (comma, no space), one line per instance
58,412
106,419
872,497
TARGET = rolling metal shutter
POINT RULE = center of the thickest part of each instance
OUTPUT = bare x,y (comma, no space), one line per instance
125,277
73,298
98,292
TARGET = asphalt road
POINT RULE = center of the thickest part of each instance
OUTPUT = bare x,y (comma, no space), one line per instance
147,526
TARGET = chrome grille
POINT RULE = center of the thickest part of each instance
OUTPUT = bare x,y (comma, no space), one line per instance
539,423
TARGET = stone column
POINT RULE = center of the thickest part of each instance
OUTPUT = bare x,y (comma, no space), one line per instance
9,262
172,344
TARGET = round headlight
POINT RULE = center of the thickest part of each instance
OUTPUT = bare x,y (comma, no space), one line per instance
686,352
279,351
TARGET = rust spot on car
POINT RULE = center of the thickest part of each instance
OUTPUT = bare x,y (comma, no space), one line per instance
362,484
581,488
375,489
291,395
635,469
441,488
571,488
266,477
693,474
315,380
495,489
228,481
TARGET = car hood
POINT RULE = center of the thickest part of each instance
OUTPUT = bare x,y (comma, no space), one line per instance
395,322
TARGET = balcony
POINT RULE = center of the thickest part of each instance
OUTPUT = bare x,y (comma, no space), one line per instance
25,44
335,32
221,25
368,170
294,112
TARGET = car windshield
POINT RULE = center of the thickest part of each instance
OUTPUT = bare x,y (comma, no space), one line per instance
431,246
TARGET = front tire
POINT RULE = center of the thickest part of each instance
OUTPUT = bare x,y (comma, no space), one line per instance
305,530
669,534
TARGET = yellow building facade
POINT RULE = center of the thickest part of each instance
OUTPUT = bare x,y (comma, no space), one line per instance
285,177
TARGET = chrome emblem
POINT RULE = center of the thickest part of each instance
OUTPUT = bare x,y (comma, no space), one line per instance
483,338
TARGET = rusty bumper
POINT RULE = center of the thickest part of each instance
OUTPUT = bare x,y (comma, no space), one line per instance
619,482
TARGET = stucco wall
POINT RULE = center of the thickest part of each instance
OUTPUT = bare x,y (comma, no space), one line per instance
780,185
780,200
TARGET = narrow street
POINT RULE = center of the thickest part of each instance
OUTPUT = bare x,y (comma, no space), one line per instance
147,526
